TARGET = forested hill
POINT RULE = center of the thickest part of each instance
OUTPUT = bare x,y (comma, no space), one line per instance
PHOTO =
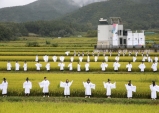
135,14
39,10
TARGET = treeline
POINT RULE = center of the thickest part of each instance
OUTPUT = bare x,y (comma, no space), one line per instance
9,31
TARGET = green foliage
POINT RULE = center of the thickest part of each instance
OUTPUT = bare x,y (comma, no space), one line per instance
32,44
55,45
47,42
92,33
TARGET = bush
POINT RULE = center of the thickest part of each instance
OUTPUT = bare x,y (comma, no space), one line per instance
47,42
32,44
55,45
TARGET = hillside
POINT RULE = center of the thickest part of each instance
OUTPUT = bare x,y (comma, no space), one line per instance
39,10
136,14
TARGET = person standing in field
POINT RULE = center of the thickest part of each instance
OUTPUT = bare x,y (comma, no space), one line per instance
54,58
134,58
17,65
66,85
38,66
61,65
95,58
129,66
88,86
9,66
70,66
4,87
130,88
154,66
78,67
87,66
154,89
48,66
142,67
45,85
109,86
103,66
27,85
116,66
36,58
80,58
25,66
72,59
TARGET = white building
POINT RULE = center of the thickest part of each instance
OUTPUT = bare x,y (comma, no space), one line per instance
114,36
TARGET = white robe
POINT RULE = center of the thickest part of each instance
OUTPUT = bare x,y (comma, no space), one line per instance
106,58
67,53
17,66
9,66
38,66
142,67
27,85
62,58
78,67
4,87
54,58
154,66
130,89
61,65
36,59
154,90
88,88
156,59
129,66
25,66
80,58
87,66
116,65
95,58
144,58
103,66
48,66
88,59
117,58
46,58
66,87
109,86
134,59
136,54
149,59
72,59
45,85
70,67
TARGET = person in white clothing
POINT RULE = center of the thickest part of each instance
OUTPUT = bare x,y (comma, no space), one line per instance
45,85
154,66
116,66
62,58
4,87
87,66
156,59
61,65
25,66
72,59
66,85
47,66
80,58
110,53
27,85
78,67
9,66
67,53
129,66
136,53
130,88
117,58
17,65
70,66
142,67
54,58
129,53
103,66
95,58
36,58
144,58
88,86
149,59
154,89
109,86
38,66
46,58
88,59
106,58
134,58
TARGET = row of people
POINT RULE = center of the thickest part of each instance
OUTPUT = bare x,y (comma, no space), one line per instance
27,85
117,58
61,65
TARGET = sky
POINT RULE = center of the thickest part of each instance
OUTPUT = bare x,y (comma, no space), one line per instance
11,3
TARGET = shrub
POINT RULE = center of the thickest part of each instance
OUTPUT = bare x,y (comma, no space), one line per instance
32,44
